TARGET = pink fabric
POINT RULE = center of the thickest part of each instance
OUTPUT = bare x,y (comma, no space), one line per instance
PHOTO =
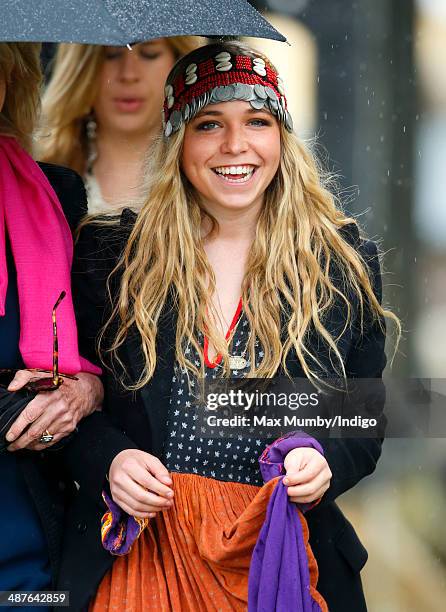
42,247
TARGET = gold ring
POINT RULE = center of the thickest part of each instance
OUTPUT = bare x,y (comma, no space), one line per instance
46,437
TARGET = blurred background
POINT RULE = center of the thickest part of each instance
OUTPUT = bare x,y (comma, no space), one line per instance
368,80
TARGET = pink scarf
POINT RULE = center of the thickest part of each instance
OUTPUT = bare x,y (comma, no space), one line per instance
42,248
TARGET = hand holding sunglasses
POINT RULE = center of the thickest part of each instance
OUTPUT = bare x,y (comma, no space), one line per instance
39,384
30,411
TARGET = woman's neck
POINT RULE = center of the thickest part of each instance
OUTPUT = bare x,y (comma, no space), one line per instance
118,149
236,226
227,252
119,164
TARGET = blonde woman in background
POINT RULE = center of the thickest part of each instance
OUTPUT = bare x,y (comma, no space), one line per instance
101,110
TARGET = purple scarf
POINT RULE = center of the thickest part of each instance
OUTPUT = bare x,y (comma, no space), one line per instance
279,578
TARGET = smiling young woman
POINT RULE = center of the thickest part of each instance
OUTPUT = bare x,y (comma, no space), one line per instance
240,264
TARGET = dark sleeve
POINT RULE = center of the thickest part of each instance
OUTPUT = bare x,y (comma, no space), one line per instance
352,459
89,454
96,253
92,265
70,190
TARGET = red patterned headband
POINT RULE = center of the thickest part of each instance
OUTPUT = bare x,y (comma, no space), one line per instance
223,78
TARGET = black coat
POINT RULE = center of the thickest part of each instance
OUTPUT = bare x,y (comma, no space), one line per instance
46,485
138,420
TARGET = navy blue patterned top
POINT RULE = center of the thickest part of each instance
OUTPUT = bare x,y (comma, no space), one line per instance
230,460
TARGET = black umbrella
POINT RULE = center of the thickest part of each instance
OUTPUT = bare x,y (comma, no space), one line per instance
120,22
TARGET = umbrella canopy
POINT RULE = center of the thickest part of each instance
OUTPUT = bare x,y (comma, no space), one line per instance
122,22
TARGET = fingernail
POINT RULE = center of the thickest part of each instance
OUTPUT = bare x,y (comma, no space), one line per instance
285,481
10,437
170,494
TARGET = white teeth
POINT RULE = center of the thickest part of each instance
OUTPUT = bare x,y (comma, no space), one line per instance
224,171
234,170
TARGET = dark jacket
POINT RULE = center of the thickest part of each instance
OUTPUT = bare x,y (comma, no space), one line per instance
45,482
137,420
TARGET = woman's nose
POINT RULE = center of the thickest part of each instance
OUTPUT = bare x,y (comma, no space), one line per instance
129,68
234,141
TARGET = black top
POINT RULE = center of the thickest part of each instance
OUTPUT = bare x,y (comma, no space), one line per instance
138,420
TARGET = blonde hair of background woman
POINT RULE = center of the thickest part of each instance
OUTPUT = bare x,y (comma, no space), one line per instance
297,241
20,67
70,96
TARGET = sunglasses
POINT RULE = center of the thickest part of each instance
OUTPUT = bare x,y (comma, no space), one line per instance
50,383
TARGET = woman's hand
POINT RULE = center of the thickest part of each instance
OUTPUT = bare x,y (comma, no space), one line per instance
139,483
58,411
307,475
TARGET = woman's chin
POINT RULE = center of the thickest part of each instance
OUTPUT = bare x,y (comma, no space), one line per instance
236,202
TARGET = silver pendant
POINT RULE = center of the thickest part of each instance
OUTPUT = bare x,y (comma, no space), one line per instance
237,362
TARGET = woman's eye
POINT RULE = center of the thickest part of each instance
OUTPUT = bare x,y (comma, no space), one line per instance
259,122
207,126
149,56
111,55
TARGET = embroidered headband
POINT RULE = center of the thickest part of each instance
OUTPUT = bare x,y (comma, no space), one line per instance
223,78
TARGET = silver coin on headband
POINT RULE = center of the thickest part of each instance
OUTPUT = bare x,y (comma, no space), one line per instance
242,91
288,121
271,93
257,104
168,129
186,112
260,92
176,119
224,93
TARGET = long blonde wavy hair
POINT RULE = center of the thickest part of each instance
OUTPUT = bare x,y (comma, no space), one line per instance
288,272
70,96
21,70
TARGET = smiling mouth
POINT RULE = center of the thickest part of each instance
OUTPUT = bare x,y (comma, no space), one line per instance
235,174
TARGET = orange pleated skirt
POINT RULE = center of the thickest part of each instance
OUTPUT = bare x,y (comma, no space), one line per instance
195,556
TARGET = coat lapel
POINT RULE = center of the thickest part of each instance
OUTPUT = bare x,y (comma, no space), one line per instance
155,396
